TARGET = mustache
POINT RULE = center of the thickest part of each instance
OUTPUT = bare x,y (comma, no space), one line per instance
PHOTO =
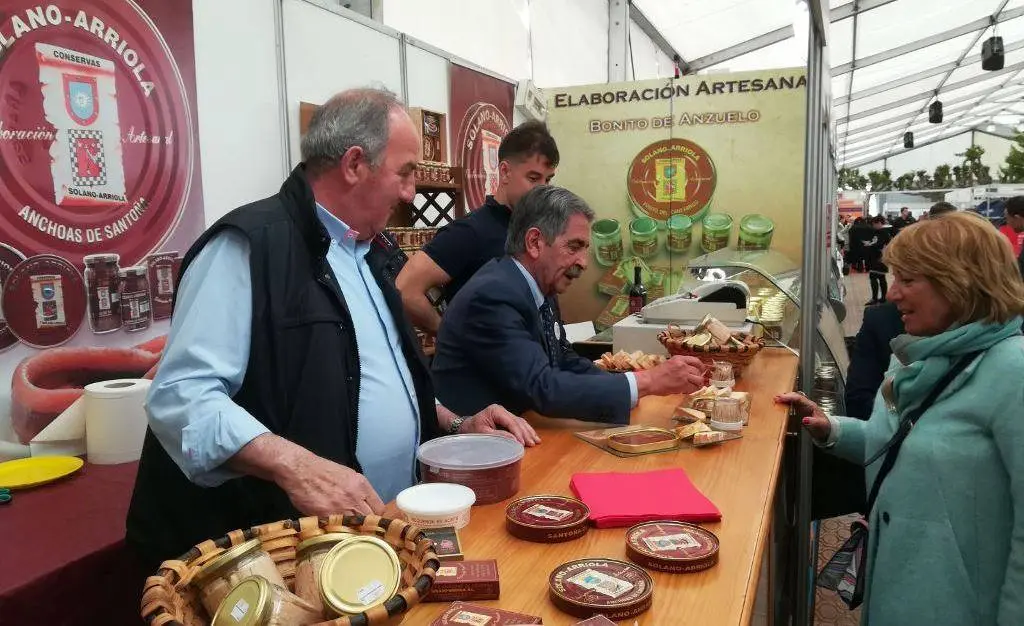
574,272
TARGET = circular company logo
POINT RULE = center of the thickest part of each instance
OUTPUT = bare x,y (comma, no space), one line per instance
480,134
96,133
9,259
43,301
669,177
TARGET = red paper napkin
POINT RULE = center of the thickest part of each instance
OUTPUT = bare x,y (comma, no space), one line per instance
618,499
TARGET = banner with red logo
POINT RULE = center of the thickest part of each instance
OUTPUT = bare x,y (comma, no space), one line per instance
676,168
100,189
481,116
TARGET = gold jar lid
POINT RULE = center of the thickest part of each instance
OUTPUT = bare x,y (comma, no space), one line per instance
226,558
248,604
359,574
320,540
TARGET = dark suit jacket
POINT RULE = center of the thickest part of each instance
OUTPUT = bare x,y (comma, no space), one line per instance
870,358
490,350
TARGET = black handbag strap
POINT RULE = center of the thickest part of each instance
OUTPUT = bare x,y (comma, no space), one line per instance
892,448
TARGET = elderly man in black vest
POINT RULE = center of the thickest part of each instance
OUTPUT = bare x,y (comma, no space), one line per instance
292,382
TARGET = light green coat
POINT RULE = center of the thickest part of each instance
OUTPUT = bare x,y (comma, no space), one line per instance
947,531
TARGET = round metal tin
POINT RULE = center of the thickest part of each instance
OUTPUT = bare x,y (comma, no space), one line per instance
674,547
44,301
587,587
9,259
547,518
644,440
359,574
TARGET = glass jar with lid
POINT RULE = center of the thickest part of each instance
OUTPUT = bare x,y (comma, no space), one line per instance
643,236
309,559
257,602
222,573
101,284
357,575
135,301
606,236
716,229
755,232
680,233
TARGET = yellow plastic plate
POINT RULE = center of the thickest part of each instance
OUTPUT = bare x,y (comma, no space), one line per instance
25,473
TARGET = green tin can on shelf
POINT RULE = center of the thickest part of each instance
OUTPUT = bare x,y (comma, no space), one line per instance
716,228
606,235
643,235
680,233
756,232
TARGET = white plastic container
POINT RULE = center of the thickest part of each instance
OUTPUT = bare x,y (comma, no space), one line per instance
436,505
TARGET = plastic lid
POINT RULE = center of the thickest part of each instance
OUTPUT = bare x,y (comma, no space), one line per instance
101,258
135,270
473,452
606,226
757,224
435,499
717,221
679,221
643,226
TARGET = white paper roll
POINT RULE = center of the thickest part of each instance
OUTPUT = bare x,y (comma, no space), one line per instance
115,420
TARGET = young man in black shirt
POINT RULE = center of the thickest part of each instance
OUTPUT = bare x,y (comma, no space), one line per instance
527,157
877,270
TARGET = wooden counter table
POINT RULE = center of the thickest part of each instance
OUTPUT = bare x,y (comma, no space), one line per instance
738,476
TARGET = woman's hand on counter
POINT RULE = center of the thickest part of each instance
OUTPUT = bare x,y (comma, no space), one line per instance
814,419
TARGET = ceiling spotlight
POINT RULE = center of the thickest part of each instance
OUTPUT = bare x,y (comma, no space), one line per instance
992,54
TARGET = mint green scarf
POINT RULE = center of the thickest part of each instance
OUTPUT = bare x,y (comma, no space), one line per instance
924,360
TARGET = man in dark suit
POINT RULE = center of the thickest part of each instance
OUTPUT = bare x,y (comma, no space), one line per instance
501,339
870,358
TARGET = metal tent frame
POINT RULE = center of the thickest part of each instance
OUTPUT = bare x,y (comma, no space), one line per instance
890,59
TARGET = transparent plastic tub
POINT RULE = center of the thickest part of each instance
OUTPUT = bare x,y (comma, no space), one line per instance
487,464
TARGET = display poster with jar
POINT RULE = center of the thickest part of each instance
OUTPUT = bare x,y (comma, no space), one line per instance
481,116
100,189
675,168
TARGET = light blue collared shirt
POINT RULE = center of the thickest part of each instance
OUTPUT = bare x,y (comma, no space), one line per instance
538,299
190,406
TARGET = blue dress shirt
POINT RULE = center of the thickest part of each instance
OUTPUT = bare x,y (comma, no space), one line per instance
538,298
189,404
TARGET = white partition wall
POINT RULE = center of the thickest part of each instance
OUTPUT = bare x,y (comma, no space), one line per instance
326,52
239,103
490,33
570,42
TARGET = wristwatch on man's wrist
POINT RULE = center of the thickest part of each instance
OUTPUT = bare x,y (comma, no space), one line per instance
453,428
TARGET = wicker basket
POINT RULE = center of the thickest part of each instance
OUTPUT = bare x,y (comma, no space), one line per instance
169,599
739,355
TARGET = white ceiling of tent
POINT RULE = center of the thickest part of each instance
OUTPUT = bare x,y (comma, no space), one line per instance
890,60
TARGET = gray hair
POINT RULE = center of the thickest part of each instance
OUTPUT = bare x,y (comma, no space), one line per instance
357,117
547,209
